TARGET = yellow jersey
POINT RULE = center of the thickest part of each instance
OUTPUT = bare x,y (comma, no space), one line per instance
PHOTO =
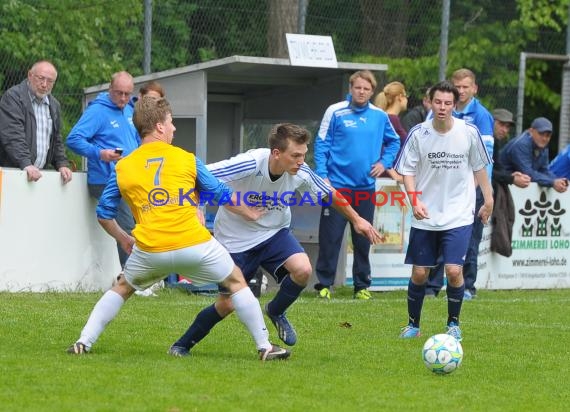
159,182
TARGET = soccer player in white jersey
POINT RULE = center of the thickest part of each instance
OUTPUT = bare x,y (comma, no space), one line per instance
268,178
470,109
438,160
157,181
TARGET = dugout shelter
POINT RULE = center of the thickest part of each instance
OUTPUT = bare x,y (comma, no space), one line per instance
226,106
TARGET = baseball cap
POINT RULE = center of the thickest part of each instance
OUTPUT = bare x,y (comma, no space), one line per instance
541,125
503,115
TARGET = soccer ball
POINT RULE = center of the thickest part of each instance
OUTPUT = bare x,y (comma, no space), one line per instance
442,354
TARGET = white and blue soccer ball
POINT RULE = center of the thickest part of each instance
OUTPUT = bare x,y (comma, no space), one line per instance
442,354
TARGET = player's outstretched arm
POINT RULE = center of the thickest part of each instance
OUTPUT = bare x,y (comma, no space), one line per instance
248,212
362,226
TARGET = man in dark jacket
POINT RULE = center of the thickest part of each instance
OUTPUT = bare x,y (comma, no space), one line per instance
30,125
501,129
528,154
503,222
417,114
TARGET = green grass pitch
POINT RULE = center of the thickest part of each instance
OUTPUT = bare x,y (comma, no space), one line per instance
348,356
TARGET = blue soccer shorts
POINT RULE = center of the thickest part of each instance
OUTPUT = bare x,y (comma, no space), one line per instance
270,254
426,246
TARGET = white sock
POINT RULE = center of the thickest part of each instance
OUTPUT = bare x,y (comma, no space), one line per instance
104,312
249,312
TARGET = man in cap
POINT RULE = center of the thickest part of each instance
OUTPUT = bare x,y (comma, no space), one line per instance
528,154
502,234
503,121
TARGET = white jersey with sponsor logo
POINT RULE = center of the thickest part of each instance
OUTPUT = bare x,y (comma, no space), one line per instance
248,175
443,166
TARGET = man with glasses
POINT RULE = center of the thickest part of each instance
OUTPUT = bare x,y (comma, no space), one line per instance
104,134
30,125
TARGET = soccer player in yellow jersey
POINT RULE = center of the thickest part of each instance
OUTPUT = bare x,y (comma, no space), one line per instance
158,181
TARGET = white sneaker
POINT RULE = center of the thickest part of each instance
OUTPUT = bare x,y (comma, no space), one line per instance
157,286
150,291
146,293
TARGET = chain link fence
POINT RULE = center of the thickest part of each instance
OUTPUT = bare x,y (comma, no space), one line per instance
91,39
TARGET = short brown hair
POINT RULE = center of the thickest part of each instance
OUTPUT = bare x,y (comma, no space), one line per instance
148,112
152,86
281,134
444,86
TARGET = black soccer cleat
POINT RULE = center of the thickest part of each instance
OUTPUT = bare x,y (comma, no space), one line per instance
178,351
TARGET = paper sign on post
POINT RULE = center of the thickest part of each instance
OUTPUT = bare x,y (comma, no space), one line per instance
310,50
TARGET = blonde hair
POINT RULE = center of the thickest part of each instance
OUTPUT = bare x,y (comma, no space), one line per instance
366,75
387,97
462,74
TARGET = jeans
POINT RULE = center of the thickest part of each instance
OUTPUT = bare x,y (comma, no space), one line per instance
331,231
124,218
470,266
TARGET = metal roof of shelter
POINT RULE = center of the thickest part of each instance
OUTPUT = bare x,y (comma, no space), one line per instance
264,88
242,73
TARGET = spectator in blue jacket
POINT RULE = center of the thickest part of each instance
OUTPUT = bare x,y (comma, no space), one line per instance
356,143
528,154
104,134
560,165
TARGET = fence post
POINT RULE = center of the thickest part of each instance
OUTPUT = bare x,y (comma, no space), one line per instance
443,45
564,134
147,35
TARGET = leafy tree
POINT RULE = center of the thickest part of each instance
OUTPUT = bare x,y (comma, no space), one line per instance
226,27
385,26
85,41
91,39
491,47
537,14
171,25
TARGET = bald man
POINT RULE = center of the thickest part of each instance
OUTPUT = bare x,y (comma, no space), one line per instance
104,134
30,125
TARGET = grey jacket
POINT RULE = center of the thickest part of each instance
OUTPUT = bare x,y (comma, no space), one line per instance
18,130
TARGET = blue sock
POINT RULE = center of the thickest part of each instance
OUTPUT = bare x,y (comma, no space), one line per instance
454,302
416,294
202,325
287,294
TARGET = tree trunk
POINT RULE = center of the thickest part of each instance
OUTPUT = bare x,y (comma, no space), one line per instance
283,18
385,27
